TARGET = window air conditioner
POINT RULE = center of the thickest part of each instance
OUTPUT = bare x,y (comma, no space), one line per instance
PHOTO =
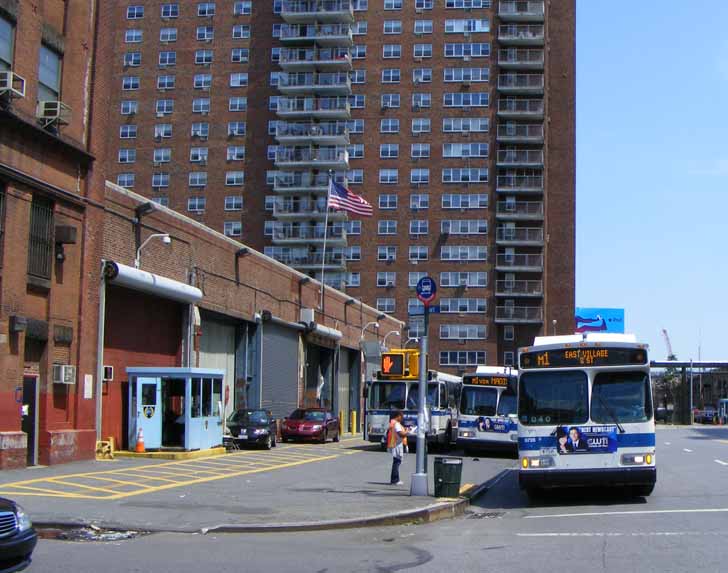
11,85
64,374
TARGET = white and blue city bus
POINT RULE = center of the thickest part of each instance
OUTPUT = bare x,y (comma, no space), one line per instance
488,416
585,413
396,388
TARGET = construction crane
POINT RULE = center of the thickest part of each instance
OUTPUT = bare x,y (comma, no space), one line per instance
670,353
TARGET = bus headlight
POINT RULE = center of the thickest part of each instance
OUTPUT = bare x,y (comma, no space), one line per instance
539,462
467,434
636,459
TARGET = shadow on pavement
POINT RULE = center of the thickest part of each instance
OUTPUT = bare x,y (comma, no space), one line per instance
708,433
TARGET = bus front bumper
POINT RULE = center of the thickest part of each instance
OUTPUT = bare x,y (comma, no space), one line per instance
585,478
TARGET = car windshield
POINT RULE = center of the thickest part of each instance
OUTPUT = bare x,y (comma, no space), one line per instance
547,398
308,415
249,417
508,403
387,396
413,402
621,397
478,401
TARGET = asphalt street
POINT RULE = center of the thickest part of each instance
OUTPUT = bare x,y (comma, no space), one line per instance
681,527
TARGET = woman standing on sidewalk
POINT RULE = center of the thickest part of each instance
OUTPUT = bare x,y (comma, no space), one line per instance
395,437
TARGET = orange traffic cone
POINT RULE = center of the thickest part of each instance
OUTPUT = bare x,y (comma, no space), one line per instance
140,442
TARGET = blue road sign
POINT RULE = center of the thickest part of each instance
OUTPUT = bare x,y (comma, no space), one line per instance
426,290
434,309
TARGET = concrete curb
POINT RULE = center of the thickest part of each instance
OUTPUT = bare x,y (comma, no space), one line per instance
443,509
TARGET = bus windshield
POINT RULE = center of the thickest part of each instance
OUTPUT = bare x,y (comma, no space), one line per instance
478,401
507,404
387,396
621,397
413,402
547,398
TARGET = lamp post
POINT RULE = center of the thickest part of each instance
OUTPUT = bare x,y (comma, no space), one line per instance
415,340
166,239
363,370
384,342
553,323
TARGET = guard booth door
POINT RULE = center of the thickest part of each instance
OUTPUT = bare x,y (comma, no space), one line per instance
146,408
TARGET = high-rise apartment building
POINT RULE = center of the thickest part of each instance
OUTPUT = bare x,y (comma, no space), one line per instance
454,118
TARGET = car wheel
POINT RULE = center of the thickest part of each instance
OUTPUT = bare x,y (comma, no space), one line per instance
324,437
268,442
274,443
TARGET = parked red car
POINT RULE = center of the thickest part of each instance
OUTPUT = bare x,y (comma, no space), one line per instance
310,424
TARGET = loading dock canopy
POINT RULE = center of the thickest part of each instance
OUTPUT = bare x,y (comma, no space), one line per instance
137,279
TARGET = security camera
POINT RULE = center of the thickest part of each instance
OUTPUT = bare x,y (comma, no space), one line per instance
167,240
376,325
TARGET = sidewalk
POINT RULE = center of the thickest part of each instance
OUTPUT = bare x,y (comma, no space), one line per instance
289,487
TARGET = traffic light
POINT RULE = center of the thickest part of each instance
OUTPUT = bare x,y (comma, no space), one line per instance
400,364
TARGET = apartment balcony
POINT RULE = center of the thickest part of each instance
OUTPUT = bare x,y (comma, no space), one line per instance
317,11
312,157
290,209
518,314
510,83
520,158
519,183
519,210
520,133
327,133
521,34
311,260
325,83
313,107
521,10
530,263
331,59
288,182
519,288
521,58
291,234
320,34
509,108
519,236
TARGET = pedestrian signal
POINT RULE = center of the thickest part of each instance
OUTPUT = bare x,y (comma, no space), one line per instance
393,364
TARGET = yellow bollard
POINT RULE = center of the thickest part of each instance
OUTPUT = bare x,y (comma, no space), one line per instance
341,421
352,420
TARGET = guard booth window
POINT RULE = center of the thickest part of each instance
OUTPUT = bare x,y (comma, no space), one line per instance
195,396
206,397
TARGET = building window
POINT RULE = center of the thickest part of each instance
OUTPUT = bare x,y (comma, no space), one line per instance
132,59
161,200
465,175
164,107
238,80
385,305
389,150
128,131
198,155
465,124
133,36
462,332
358,76
386,279
237,104
508,358
393,26
49,75
234,178
463,279
352,279
360,28
476,75
420,201
465,201
467,50
243,8
233,228
418,253
464,253
7,36
464,227
421,125
462,150
206,9
391,76
355,177
239,55
389,125
392,4
196,204
234,203
241,31
462,358
353,227
470,25
203,57
414,277
358,52
352,253
419,227
236,128
422,75
236,152
201,105
125,180
420,150
509,332
423,4
160,180
386,227
421,101
360,5
130,83
166,82
391,51
170,10
197,179
127,156
422,51
205,33
200,130
357,101
386,253
168,35
423,27
356,151
202,81
459,99
415,306
388,176
467,4
40,238
390,101
420,176
388,201
135,12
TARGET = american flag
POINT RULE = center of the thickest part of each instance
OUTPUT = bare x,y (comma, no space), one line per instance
343,199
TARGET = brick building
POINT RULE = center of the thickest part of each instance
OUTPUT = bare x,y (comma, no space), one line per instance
51,193
454,118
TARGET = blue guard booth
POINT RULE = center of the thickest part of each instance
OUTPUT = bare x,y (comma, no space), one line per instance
176,408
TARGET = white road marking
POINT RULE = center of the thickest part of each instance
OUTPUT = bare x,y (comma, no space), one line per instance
643,512
613,534
667,443
721,462
687,450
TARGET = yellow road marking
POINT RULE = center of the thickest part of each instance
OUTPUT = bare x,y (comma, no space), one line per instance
120,481
81,486
38,489
155,478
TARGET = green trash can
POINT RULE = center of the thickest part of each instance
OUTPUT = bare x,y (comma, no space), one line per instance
448,473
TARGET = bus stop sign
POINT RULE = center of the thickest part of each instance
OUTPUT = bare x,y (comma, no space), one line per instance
426,290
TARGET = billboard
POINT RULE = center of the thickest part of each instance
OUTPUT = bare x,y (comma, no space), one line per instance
599,320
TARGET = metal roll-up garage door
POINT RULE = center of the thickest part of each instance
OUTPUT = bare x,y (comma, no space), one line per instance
280,369
344,387
217,350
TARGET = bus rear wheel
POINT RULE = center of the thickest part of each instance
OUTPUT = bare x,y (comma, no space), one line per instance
644,490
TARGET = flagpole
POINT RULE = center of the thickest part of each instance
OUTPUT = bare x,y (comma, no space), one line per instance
326,232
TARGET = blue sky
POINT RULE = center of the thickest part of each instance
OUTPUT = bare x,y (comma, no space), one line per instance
652,169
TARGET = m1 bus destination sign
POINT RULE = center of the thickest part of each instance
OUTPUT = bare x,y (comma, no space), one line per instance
426,290
575,357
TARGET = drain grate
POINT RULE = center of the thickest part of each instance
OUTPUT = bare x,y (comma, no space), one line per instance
486,515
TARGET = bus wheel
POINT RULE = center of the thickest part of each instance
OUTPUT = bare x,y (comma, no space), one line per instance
644,490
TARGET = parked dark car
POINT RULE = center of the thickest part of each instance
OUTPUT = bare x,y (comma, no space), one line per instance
310,424
252,428
663,415
707,416
17,537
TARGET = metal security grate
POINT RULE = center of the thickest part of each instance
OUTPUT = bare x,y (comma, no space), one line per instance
40,240
8,524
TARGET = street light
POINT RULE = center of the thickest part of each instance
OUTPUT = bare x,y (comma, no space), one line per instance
166,239
374,323
415,339
553,322
384,342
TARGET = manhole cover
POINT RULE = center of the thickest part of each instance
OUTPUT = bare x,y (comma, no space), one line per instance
487,515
